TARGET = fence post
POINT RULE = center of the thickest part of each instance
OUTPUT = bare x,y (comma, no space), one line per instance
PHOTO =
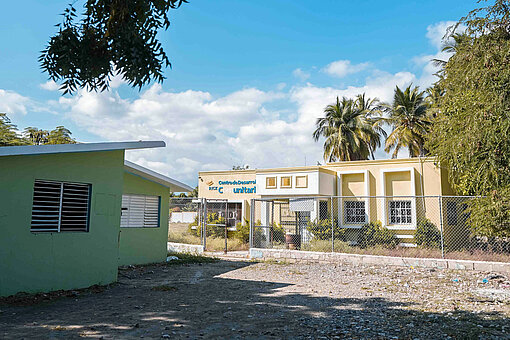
440,201
332,226
252,209
226,229
204,222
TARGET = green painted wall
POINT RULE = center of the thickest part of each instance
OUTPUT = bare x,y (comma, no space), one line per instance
34,262
145,245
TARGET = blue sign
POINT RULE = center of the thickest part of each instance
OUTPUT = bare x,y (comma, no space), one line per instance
239,190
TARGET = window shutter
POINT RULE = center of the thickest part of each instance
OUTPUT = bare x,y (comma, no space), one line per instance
75,207
151,216
59,206
140,211
46,206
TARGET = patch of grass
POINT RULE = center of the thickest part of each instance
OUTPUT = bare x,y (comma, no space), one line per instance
164,288
180,234
317,245
187,258
218,244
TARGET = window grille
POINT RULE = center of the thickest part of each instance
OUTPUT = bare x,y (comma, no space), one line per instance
60,206
140,211
400,212
354,212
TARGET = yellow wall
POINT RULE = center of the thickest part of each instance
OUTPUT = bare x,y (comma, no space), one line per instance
398,183
353,184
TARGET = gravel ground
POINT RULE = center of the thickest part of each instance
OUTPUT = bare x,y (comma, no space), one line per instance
236,299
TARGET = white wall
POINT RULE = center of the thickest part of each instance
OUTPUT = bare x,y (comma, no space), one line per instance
183,217
319,183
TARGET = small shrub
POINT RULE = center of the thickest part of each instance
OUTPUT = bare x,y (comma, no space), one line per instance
242,232
374,233
427,235
212,231
321,230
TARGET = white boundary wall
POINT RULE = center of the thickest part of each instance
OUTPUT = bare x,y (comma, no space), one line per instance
312,256
183,217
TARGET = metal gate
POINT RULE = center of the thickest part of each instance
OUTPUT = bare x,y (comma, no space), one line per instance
213,219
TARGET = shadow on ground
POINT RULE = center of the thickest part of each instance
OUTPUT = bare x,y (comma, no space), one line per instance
192,301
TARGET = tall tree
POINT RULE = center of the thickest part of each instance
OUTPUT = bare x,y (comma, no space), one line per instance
8,133
35,136
470,134
111,37
409,120
60,135
349,130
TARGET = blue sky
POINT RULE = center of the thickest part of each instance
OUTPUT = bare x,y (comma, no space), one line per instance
248,79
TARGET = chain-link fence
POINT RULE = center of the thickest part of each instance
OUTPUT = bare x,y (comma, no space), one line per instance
216,224
184,226
410,226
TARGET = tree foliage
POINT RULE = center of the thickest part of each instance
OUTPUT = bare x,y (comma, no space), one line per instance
110,37
470,134
409,119
351,129
9,135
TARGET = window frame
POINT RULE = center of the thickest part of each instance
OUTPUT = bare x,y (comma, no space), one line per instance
143,226
267,182
306,181
400,209
282,178
61,199
346,209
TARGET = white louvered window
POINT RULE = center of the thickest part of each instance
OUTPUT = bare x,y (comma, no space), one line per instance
60,206
140,211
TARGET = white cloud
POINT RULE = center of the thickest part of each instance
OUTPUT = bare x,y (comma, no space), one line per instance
437,32
50,85
300,74
341,68
195,126
14,103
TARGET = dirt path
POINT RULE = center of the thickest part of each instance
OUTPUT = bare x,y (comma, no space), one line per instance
234,300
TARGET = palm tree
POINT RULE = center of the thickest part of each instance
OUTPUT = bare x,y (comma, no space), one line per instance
36,136
409,118
350,131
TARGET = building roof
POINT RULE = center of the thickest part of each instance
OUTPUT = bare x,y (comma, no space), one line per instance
172,184
328,167
81,147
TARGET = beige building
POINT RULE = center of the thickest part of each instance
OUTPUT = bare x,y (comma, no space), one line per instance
399,185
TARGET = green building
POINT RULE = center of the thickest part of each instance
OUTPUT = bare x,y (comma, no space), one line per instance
60,215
